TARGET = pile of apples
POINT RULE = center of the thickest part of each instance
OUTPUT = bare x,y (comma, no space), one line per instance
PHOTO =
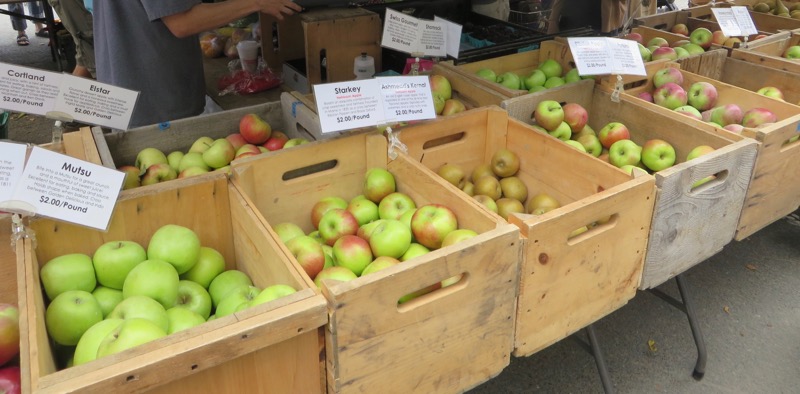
125,295
255,136
443,102
776,7
496,186
9,349
792,52
375,230
697,42
549,74
700,102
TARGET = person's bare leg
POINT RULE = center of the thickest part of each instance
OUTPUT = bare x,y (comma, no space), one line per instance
81,71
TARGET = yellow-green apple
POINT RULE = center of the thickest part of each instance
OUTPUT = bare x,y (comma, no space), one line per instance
670,96
415,250
174,159
453,106
657,154
487,74
225,170
652,48
732,42
591,144
177,245
70,314
108,298
210,263
390,237
586,130
536,78
575,145
549,114
337,223
551,68
330,261
624,152
576,116
718,37
536,89
755,117
194,297
572,76
378,183
469,188
481,170
667,75
561,132
380,263
309,254
680,28
635,37
90,340
295,142
507,206
679,43
271,293
129,334
148,157
554,82
363,210
181,319
192,171
793,52
255,130
225,282
276,141
234,299
664,53
247,150
394,205
682,53
68,272
457,236
341,274
613,132
440,86
353,253
645,53
201,144
646,96
723,115
733,127
489,186
113,260
405,218
236,140
541,204
505,163
155,279
693,49
438,104
628,168
658,41
366,230
702,37
9,332
193,159
158,173
509,79
486,201
702,95
287,231
323,206
513,187
698,151
690,111
431,223
771,91
220,154
131,177
453,173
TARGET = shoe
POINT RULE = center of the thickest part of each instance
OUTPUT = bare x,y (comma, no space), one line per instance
44,33
23,40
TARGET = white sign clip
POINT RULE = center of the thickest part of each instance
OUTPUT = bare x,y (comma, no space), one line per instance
394,143
19,231
618,88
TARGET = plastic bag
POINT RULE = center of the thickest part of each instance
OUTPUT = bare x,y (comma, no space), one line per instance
212,44
243,82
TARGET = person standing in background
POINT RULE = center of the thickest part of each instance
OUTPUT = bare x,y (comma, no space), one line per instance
615,12
21,25
78,22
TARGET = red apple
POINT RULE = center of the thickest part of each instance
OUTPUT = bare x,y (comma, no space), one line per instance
255,130
718,37
612,133
680,28
758,116
236,140
431,224
308,253
353,253
576,116
276,141
337,223
635,37
323,206
10,380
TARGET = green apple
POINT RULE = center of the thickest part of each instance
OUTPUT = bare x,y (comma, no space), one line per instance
174,159
330,260
536,89
271,293
394,205
225,282
335,273
90,341
108,298
155,279
70,314
219,154
287,231
9,332
363,210
176,245
415,250
129,334
487,74
148,157
209,264
295,142
114,260
380,263
390,238
572,76
141,307
182,318
234,299
192,159
509,80
554,82
457,236
624,152
201,145
353,253
68,272
577,145
551,68
194,297
378,183
536,78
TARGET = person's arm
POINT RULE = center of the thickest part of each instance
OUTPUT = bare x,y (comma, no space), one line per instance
207,16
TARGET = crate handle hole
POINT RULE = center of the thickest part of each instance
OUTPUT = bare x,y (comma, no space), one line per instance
709,182
448,139
660,26
790,143
131,378
194,367
432,292
310,170
595,227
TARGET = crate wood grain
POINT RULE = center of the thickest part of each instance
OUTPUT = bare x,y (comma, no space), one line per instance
774,190
273,347
666,21
78,144
769,52
566,282
436,343
740,73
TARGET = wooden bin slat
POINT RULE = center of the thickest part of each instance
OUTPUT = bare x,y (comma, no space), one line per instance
769,52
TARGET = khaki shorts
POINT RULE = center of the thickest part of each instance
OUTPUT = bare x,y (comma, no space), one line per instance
78,22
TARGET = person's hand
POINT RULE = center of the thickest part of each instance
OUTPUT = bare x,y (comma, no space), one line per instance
278,8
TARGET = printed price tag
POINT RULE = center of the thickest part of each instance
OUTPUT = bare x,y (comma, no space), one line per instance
348,105
745,21
411,35
68,189
12,162
97,103
735,21
28,90
453,36
603,55
407,98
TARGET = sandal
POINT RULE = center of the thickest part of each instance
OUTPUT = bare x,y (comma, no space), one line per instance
23,40
44,33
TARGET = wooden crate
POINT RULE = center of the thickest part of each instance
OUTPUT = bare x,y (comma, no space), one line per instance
447,341
665,21
689,224
764,22
710,60
775,185
79,144
566,283
300,110
522,63
740,73
769,52
273,347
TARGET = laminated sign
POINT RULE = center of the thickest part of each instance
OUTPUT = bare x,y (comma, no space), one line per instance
604,55
419,36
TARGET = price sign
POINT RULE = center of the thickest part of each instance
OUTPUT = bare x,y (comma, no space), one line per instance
735,21
28,90
745,21
348,105
603,55
97,103
453,36
412,35
68,189
407,98
12,161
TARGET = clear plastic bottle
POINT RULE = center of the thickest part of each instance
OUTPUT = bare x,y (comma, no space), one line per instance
364,66
58,137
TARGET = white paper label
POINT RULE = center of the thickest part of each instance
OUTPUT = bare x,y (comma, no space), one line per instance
68,189
12,162
745,21
411,35
735,21
28,90
97,103
453,36
364,103
604,55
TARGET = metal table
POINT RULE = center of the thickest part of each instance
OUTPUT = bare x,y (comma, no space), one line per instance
48,20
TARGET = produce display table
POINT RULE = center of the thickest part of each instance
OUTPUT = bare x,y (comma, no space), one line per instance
216,69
